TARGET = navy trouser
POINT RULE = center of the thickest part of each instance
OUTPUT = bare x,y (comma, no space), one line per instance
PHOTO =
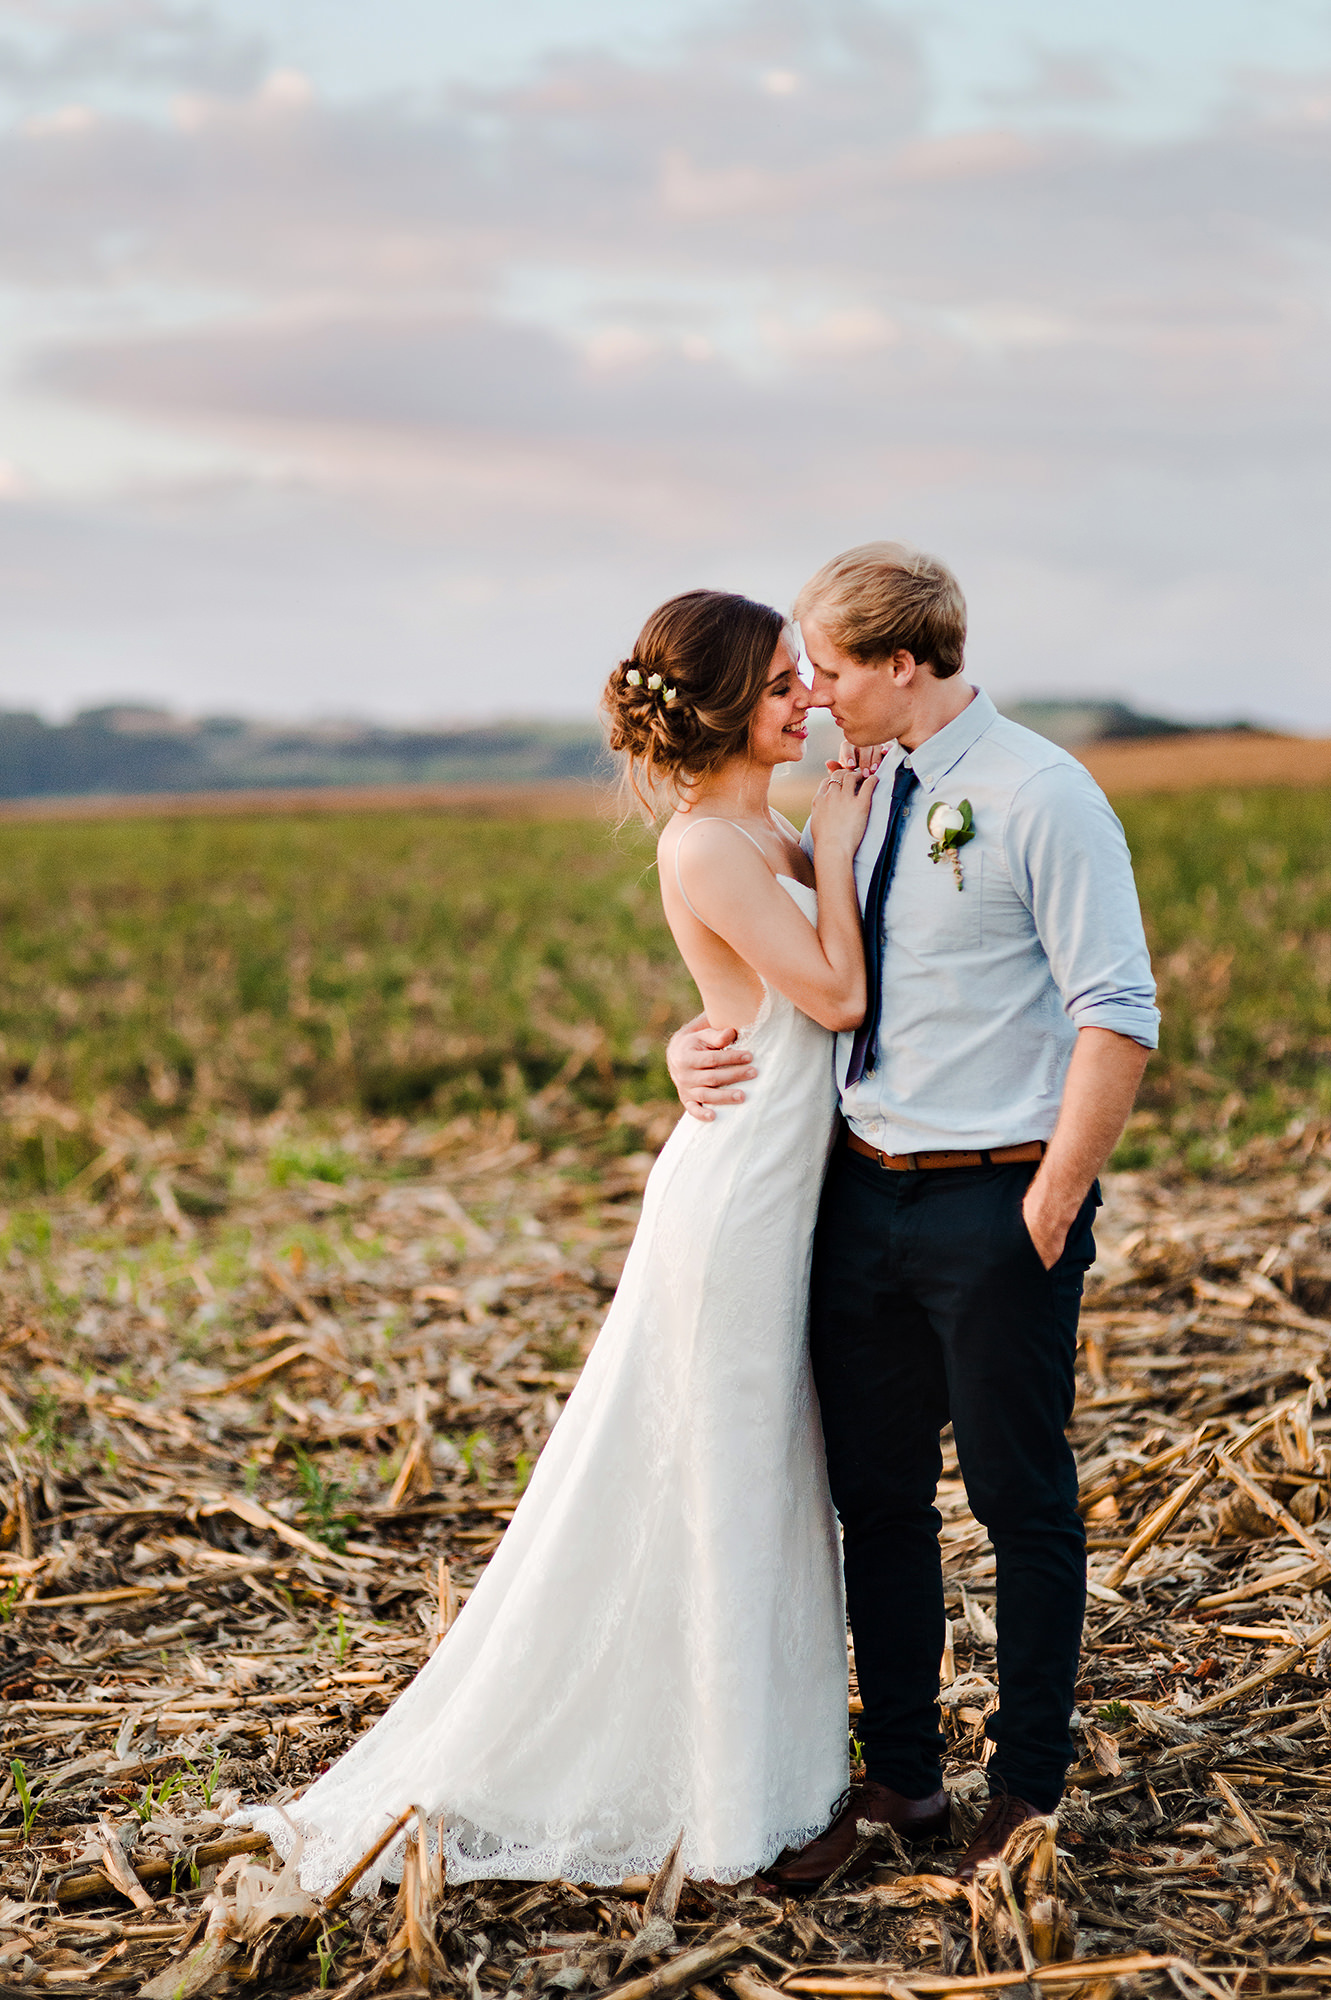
930,1304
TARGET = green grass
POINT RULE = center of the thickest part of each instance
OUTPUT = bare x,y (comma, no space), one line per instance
432,965
1236,891
390,964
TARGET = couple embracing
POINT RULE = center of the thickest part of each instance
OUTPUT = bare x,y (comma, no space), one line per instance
924,1025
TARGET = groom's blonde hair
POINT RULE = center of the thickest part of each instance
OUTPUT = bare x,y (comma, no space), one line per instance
884,598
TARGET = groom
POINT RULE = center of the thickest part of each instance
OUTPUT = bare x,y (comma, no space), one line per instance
1011,1011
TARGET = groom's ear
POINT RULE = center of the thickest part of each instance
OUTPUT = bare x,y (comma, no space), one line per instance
903,666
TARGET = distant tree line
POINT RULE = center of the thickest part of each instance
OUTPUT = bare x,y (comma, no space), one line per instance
130,748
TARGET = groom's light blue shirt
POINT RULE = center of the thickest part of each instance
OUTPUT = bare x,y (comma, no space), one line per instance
984,989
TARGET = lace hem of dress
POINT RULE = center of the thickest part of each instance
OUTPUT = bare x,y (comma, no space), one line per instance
472,1855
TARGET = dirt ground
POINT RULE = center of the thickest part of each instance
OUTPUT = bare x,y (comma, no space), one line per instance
1198,763
264,1428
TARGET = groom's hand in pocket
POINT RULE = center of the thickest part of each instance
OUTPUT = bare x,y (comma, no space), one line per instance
1046,1225
706,1066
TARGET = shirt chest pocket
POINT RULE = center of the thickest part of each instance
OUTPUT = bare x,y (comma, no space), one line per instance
934,913
1007,920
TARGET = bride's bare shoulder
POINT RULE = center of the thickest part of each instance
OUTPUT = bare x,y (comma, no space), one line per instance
705,850
705,830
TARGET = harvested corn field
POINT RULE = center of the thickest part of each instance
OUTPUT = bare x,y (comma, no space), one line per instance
270,1397
430,965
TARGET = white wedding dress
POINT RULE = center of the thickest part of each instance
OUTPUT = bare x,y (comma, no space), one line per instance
659,1641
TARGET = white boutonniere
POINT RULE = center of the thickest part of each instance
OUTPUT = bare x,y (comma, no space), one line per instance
950,827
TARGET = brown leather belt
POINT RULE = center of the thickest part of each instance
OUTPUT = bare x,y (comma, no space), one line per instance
905,1163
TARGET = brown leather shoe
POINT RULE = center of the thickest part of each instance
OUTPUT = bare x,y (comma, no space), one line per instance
914,1819
1004,1813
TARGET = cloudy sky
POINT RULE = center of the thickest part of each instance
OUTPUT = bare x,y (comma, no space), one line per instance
395,359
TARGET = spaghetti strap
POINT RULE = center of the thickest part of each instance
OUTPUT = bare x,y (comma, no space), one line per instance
709,819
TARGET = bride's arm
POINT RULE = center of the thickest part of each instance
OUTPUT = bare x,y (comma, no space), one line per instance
737,896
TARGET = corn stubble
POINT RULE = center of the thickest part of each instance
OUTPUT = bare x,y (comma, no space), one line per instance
321,1154
256,1459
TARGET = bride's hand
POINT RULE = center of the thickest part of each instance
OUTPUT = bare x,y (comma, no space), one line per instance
841,807
851,759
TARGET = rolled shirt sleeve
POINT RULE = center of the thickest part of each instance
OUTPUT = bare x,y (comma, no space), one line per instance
1068,860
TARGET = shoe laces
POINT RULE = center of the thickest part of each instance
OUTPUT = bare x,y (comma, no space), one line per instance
840,1804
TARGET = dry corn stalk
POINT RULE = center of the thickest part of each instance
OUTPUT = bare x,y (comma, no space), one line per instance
276,1649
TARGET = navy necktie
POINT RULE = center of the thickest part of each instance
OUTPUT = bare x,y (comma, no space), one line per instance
864,1047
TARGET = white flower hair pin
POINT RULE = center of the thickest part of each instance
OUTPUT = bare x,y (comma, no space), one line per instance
950,827
654,685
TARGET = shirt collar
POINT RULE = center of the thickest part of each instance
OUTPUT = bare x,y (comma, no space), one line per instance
938,754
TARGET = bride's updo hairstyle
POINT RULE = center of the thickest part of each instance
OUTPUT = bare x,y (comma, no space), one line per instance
683,702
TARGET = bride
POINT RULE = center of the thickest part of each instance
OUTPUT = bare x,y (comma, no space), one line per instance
659,1642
